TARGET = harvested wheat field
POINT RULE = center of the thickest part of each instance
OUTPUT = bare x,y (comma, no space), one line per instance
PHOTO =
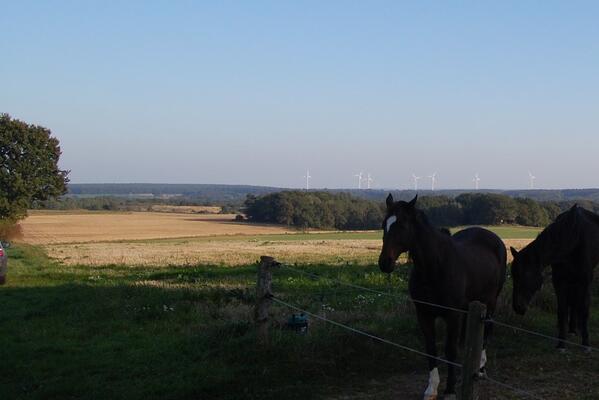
164,239
84,227
227,252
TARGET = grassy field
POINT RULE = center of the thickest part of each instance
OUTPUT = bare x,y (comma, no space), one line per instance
126,332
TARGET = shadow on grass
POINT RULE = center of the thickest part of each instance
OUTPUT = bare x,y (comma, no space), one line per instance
107,340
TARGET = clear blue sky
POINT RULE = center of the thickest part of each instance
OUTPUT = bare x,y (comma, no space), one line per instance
256,92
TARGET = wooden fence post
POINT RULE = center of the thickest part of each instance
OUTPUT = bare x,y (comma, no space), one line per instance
477,312
263,296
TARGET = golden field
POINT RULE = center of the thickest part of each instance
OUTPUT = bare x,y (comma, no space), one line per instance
163,239
82,227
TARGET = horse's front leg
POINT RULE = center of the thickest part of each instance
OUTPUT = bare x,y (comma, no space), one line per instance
572,308
451,352
427,325
584,305
563,303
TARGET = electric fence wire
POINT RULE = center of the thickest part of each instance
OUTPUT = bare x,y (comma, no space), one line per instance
498,323
405,297
524,330
360,332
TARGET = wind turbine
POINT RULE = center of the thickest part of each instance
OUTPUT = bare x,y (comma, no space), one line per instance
368,180
416,181
433,179
308,177
532,178
476,180
359,176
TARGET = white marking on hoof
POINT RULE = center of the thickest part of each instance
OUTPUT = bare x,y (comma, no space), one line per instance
433,384
483,359
390,221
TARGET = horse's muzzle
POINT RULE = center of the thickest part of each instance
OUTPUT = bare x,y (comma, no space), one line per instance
386,264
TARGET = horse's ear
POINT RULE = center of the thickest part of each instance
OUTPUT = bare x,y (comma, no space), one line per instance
389,201
412,202
514,251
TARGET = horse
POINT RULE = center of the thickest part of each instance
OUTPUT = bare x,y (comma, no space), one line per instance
450,271
570,245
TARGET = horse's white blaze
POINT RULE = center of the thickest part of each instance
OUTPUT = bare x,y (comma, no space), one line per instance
390,221
433,384
483,359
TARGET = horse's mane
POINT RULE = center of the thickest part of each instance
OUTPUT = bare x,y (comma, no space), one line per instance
558,237
592,216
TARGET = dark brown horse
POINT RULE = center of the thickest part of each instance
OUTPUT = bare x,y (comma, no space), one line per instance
571,246
450,271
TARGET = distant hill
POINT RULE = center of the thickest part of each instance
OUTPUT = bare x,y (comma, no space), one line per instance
201,192
238,193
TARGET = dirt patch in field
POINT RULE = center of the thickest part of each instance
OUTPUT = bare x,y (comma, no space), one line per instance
186,209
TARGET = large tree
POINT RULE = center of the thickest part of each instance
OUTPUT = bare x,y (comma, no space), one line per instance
28,167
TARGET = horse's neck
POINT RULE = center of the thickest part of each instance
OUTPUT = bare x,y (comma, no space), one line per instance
549,250
428,250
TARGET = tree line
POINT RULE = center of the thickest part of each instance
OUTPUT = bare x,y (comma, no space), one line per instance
113,203
342,211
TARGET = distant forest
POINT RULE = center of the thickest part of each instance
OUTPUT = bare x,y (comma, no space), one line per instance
220,194
343,211
333,209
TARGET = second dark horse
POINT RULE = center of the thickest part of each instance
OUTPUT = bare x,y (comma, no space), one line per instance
571,245
450,271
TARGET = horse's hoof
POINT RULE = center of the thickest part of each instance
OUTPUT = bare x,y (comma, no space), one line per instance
450,396
482,373
430,397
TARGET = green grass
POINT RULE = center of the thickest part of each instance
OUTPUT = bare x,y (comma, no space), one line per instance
505,232
115,332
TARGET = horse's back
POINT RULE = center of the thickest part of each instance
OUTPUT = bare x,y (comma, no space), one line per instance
483,240
484,260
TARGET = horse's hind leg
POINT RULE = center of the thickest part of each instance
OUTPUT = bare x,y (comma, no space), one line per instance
427,325
451,352
572,310
483,355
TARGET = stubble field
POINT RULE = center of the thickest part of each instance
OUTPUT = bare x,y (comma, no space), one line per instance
164,239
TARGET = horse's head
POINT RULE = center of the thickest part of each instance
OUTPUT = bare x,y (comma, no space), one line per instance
398,231
527,272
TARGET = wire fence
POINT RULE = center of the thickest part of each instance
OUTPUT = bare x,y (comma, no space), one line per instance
408,298
515,389
486,378
364,333
400,296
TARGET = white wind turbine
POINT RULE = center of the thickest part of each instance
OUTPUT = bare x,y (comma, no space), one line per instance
360,177
531,178
476,180
307,177
433,177
416,178
368,180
